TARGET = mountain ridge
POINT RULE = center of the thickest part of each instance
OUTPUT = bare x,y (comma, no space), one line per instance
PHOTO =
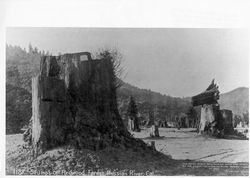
236,100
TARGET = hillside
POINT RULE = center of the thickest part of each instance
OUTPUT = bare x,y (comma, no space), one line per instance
21,65
164,106
146,95
236,100
18,108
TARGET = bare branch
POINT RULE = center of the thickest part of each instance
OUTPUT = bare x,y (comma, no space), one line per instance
116,58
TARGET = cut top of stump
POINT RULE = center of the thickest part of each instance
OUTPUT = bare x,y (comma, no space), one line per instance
210,96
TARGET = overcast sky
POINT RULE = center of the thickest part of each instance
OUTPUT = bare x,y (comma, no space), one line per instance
177,62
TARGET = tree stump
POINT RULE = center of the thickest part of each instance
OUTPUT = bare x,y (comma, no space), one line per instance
153,145
154,131
207,116
227,121
130,124
74,101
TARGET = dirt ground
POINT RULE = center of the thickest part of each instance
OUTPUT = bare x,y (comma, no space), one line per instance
187,144
182,152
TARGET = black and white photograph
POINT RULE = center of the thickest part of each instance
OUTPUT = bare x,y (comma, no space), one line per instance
126,101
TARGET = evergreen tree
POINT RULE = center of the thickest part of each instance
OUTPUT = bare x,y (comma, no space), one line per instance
246,118
30,48
132,108
132,114
192,117
151,119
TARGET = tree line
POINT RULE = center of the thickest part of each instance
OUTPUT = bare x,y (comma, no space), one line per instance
22,64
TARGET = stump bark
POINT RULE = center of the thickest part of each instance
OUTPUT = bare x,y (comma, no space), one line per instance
213,120
226,121
74,101
207,118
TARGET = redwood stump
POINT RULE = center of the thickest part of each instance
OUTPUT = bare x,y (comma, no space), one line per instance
49,113
74,102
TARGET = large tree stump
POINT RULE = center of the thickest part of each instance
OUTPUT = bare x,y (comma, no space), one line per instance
74,100
50,112
226,121
207,116
211,120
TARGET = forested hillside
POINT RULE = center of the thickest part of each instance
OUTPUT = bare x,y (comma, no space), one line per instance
163,106
18,108
22,64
